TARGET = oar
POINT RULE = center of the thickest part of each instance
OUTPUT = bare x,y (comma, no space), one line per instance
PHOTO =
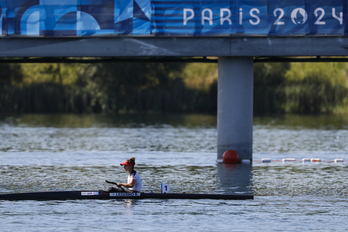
110,182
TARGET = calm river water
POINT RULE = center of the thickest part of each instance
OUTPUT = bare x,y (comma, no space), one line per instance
72,152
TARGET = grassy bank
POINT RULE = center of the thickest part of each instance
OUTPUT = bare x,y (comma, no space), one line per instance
54,98
301,88
301,99
304,88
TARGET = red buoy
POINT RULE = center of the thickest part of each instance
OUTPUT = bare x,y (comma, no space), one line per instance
230,157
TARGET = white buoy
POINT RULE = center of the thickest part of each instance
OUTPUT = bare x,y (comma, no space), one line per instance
266,160
246,161
289,160
306,160
339,160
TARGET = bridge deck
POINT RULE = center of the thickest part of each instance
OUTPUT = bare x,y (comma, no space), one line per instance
172,46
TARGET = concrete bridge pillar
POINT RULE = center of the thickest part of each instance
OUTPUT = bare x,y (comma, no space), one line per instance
235,106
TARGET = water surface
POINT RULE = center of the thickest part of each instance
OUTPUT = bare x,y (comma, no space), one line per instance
68,152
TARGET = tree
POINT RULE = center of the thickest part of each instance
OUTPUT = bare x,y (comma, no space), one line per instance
10,74
118,86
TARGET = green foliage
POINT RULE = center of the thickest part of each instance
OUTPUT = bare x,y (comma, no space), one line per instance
118,87
270,74
41,98
269,82
316,88
10,74
334,74
306,88
200,75
63,74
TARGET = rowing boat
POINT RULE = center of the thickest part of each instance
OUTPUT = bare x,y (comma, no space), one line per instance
72,195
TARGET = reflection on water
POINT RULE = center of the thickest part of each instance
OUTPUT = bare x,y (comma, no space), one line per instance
301,179
299,122
235,178
166,133
275,179
325,122
61,152
65,152
181,178
109,120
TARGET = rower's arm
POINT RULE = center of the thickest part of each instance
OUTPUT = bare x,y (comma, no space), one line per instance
129,185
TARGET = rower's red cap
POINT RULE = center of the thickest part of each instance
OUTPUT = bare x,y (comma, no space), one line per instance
126,163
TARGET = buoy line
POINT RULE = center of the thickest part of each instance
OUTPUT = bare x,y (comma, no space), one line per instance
232,157
304,160
286,160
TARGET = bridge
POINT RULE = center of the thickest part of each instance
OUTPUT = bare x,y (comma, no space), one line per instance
237,32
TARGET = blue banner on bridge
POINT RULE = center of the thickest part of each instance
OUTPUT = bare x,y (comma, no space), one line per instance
173,17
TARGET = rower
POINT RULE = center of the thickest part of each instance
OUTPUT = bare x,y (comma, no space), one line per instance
134,181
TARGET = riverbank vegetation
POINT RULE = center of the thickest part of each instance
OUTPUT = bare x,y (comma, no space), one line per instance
304,88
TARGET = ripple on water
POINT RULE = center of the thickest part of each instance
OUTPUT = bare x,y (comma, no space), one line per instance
49,152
